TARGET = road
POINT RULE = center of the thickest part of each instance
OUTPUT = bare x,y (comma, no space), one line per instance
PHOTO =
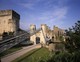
19,53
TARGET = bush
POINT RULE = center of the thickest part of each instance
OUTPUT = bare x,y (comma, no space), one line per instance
65,57
61,57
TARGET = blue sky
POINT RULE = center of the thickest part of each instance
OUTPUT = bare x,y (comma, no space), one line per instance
62,13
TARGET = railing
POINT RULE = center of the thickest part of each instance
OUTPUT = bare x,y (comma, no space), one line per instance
6,44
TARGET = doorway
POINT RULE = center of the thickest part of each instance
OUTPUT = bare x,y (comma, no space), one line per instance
37,40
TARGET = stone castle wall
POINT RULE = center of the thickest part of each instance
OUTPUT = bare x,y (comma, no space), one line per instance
9,21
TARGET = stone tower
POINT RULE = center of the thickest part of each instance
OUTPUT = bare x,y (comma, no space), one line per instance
44,28
9,21
32,28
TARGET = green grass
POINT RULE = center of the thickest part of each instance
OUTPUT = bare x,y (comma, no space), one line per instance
36,55
11,50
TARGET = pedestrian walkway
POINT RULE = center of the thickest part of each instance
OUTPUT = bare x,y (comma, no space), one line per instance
19,53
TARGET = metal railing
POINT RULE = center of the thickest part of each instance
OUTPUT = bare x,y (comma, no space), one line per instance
8,43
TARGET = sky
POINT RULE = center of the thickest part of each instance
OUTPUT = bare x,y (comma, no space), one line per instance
61,13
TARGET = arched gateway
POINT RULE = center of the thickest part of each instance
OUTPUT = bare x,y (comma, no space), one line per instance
46,37
37,40
39,36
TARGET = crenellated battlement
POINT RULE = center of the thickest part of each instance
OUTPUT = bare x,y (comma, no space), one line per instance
5,12
9,12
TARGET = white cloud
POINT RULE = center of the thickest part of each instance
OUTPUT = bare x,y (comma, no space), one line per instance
54,15
60,13
29,4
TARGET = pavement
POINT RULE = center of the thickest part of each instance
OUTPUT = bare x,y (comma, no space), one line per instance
13,56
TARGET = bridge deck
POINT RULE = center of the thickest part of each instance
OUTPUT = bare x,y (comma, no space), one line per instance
8,43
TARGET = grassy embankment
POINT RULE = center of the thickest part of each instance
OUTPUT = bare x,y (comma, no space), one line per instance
36,55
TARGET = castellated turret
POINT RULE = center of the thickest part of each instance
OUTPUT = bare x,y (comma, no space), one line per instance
32,28
44,27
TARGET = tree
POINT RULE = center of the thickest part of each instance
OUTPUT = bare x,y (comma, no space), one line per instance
73,42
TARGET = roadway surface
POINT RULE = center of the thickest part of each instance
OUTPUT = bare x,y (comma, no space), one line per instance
19,53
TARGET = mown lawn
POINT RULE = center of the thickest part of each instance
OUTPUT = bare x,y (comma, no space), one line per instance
36,55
